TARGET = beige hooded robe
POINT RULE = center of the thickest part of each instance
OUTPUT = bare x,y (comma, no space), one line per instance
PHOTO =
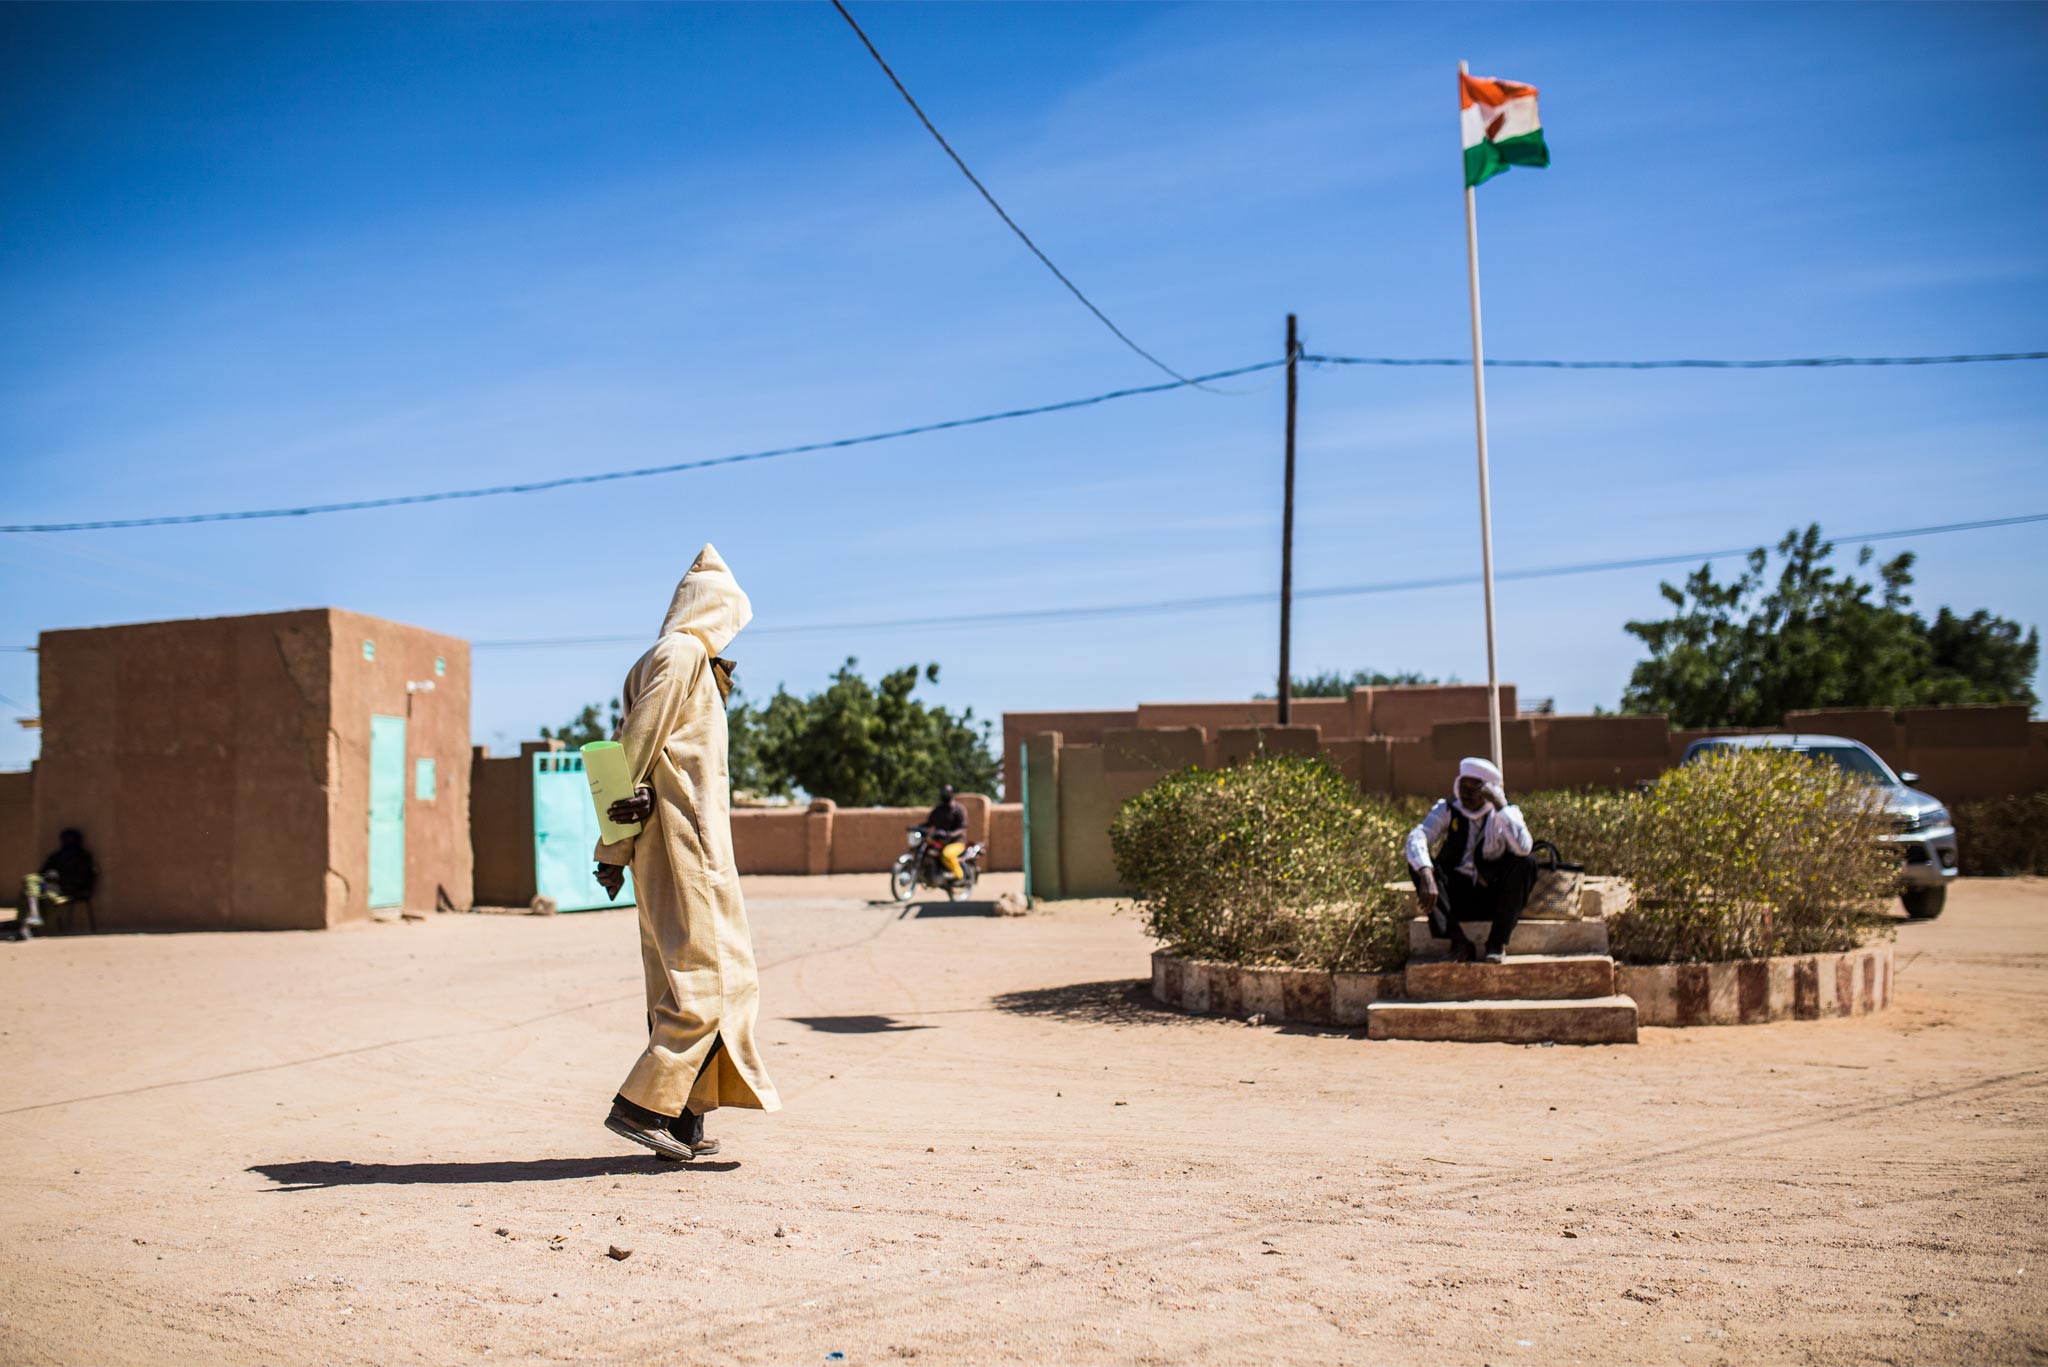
694,943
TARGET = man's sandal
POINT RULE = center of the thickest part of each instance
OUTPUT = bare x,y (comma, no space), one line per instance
655,1137
701,1150
687,1129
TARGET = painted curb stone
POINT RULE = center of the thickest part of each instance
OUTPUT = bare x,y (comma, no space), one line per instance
1279,994
1750,991
1744,992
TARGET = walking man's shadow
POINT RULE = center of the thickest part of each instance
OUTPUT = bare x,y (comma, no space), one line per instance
317,1176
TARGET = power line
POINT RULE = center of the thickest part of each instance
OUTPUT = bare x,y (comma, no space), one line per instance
608,476
1001,213
1166,606
1065,405
1823,362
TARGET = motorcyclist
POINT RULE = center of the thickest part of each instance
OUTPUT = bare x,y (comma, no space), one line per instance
947,825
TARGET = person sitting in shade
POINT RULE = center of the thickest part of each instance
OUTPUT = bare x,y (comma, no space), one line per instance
1471,861
68,875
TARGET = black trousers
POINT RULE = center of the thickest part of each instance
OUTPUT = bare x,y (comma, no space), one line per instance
1498,896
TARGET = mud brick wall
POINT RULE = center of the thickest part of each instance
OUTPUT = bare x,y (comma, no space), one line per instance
1079,783
827,838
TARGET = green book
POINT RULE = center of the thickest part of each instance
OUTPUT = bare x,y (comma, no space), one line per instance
604,764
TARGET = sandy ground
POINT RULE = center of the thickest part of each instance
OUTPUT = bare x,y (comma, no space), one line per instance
383,1146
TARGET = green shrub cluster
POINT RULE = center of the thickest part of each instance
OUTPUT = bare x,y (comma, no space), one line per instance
2002,836
1592,827
1752,853
1274,863
1740,855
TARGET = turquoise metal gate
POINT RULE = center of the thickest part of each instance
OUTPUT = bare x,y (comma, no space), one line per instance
564,834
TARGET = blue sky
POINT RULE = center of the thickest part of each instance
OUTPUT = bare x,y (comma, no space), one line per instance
269,255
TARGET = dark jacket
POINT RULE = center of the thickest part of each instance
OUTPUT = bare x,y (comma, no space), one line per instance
948,818
74,872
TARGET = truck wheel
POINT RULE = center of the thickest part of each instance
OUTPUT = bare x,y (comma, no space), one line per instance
1924,904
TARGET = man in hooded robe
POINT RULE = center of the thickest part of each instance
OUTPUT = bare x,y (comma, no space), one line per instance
703,991
1471,860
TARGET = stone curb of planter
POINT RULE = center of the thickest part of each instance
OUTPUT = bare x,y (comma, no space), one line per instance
1743,992
1302,995
1750,991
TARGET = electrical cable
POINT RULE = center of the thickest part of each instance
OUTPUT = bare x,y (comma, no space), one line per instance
1001,212
609,476
1164,606
605,477
1824,362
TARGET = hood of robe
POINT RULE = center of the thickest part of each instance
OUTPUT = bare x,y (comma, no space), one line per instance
709,603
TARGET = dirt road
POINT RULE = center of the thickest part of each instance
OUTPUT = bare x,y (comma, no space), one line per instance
383,1145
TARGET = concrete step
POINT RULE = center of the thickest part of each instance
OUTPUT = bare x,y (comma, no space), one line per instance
1597,1020
1530,937
1528,977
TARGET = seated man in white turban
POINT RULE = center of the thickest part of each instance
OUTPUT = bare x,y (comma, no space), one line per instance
1470,859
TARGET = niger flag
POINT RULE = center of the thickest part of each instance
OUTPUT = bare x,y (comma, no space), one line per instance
1498,119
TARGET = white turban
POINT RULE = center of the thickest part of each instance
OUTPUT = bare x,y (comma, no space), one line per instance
1485,770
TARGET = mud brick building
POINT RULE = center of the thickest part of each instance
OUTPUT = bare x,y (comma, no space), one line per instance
292,770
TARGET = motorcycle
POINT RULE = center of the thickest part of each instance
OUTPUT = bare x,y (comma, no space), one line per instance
924,865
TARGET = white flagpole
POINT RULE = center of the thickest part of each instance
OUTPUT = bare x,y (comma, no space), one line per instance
1485,485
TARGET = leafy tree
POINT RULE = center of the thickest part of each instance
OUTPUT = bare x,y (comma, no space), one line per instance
1747,652
1982,658
857,743
1334,684
584,727
743,749
861,744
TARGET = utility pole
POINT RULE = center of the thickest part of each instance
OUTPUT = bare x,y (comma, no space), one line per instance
1287,539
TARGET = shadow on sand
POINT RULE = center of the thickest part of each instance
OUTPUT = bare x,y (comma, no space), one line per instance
1117,1002
925,911
316,1176
856,1025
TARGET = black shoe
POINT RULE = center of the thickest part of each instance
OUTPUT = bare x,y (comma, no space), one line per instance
688,1130
1463,951
650,1136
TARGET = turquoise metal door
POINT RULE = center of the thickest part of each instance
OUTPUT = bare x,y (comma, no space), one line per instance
564,834
387,811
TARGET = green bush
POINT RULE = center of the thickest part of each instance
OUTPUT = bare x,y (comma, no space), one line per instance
1274,863
2002,836
1591,827
1744,854
1753,853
